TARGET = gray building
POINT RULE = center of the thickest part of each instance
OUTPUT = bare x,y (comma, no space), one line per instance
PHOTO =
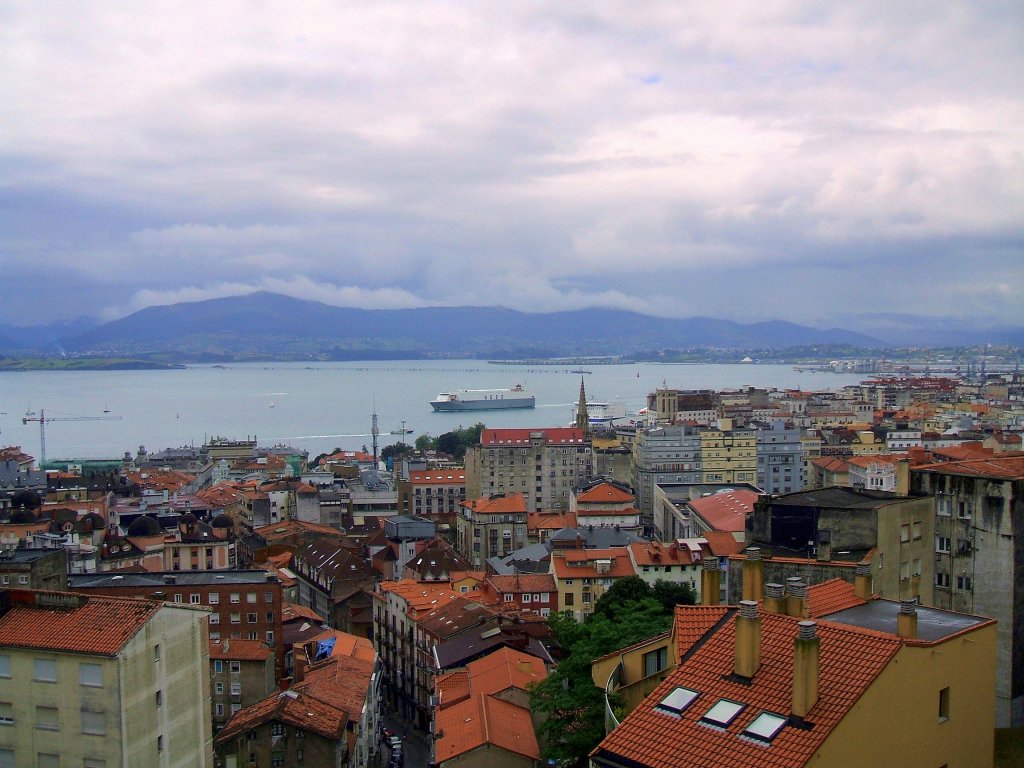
34,568
780,464
663,455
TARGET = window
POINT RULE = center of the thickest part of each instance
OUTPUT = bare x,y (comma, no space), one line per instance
277,729
94,723
236,618
904,571
655,661
916,529
94,762
159,698
5,665
943,508
236,689
218,688
268,597
218,666
677,701
270,617
942,543
723,713
251,618
6,713
526,597
250,597
45,670
270,637
23,579
765,727
236,666
944,705
6,758
215,618
904,533
235,707
47,718
507,597
194,599
160,743
215,635
569,598
942,580
90,675
218,710
963,582
178,598
213,598
156,652
236,597
545,596
964,510
47,760
586,597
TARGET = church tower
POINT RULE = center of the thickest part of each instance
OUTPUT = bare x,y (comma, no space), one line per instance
582,417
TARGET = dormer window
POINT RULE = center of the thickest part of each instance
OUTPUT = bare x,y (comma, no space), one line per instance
677,701
722,713
765,727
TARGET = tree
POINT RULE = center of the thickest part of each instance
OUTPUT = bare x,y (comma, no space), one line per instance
672,593
573,704
624,591
25,498
425,443
395,450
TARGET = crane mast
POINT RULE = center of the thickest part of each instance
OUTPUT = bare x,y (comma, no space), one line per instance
43,420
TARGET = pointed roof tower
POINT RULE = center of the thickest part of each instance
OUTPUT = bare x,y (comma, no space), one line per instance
582,417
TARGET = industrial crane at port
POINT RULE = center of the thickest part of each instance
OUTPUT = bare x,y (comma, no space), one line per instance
43,420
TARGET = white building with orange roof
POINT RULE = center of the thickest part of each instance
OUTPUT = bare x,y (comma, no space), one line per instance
583,575
491,526
605,503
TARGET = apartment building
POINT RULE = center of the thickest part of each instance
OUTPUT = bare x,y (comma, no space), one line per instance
136,693
977,558
543,465
241,673
583,575
780,458
728,454
492,526
664,455
433,493
243,605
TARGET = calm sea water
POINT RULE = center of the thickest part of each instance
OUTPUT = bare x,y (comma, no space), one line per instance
325,406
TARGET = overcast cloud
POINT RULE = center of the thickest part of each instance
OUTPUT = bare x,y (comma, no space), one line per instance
800,161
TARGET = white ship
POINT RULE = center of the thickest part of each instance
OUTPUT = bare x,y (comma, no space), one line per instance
483,399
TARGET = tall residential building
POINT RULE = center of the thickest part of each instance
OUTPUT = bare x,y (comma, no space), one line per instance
780,453
728,454
102,681
978,558
664,455
543,465
493,526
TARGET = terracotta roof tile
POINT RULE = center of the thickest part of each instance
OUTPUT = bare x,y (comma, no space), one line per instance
240,650
726,511
63,621
605,493
437,477
850,660
510,437
524,582
503,504
1005,468
831,596
691,624
292,707
576,564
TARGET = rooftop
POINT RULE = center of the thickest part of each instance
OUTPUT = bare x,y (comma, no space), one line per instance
159,579
933,624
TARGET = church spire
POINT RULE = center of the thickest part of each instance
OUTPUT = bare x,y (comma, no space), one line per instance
582,417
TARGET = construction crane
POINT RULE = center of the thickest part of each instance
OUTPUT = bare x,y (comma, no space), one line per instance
43,420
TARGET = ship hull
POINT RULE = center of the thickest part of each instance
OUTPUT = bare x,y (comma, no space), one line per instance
483,405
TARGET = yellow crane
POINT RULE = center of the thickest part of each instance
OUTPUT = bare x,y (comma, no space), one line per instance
43,420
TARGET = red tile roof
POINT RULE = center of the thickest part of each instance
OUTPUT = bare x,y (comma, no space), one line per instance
656,553
726,511
437,477
554,521
850,660
240,650
524,582
998,468
556,436
692,624
505,504
576,564
722,543
292,707
63,621
605,493
831,596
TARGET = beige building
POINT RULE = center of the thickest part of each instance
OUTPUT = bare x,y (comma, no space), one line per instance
493,526
102,681
728,454
583,575
544,465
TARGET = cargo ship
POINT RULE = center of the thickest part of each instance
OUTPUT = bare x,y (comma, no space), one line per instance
483,399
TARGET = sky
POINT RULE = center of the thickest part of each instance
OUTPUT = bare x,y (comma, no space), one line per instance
823,163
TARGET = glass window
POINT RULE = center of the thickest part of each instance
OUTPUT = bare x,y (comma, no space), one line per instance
46,670
236,689
46,760
6,758
218,666
723,713
215,618
250,597
236,666
91,675
6,713
765,727
94,723
5,665
213,598
268,597
194,599
678,700
47,718
236,597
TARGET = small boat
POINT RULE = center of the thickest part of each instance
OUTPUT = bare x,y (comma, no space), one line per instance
580,370
401,430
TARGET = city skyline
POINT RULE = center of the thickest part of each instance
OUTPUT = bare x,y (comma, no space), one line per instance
808,162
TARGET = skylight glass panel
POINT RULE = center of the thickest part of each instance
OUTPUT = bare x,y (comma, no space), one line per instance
765,727
723,713
677,701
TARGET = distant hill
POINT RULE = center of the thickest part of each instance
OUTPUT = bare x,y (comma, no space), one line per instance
270,324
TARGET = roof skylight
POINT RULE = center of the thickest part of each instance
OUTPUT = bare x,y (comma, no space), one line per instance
765,727
723,713
677,701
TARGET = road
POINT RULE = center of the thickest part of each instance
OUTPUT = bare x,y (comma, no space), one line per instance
416,743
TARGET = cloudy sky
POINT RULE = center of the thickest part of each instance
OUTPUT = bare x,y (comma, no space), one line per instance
800,161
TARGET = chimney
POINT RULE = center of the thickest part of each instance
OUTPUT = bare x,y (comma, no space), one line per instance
796,598
824,546
906,619
862,580
753,574
710,584
748,640
774,598
806,649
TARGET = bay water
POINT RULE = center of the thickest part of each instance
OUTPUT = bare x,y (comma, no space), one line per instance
324,406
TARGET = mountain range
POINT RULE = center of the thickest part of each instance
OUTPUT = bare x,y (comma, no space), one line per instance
266,324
